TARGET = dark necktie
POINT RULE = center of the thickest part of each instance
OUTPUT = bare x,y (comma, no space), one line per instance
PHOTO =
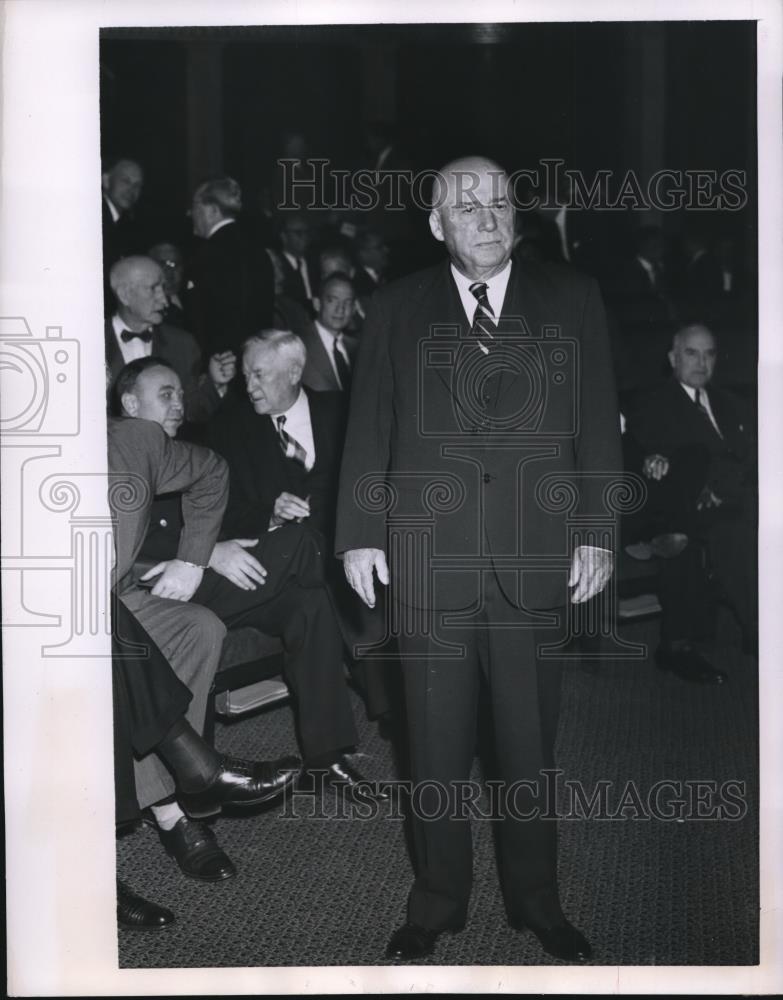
128,335
705,412
343,369
484,326
291,447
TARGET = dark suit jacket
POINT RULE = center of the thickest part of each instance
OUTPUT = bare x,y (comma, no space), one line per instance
666,422
180,349
145,461
230,290
469,464
318,373
293,283
259,471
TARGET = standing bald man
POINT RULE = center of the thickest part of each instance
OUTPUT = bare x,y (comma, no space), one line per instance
480,385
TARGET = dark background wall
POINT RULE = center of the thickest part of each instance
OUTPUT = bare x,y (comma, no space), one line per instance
616,96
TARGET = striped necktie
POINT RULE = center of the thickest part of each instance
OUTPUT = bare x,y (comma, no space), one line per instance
291,447
484,324
699,401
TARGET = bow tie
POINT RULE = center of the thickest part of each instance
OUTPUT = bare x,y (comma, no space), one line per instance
129,335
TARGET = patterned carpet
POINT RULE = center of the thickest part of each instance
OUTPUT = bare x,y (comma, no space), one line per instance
329,891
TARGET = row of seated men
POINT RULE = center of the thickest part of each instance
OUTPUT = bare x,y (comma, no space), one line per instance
195,558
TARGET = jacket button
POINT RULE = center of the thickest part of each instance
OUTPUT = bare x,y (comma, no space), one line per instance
487,478
164,523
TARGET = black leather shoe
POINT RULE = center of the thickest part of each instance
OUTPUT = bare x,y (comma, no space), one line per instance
195,849
563,941
137,913
349,782
688,664
410,942
241,783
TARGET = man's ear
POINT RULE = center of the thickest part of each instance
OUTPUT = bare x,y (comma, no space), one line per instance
435,226
105,181
317,302
295,373
670,356
130,404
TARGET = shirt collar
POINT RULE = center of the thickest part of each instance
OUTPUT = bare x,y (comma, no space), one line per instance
692,393
496,290
327,334
115,212
220,225
298,409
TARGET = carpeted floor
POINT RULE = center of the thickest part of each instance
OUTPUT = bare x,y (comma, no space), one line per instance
329,891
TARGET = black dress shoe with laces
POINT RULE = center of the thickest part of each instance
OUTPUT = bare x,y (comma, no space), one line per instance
241,783
561,940
195,849
688,664
137,913
410,942
348,781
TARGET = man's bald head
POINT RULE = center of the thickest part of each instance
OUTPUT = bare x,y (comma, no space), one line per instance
460,178
473,215
138,285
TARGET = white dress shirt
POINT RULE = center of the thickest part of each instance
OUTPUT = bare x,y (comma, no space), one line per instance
328,339
299,426
132,349
496,291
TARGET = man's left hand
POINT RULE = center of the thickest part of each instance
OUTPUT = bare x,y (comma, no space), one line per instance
178,580
590,572
222,368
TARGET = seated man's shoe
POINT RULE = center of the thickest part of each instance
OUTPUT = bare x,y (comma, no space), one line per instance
195,849
349,782
241,783
137,913
688,664
560,940
410,942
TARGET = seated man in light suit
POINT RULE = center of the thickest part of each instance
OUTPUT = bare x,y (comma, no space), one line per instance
330,350
269,580
142,462
137,330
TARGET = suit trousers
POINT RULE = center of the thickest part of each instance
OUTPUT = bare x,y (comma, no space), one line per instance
442,697
295,605
191,638
148,699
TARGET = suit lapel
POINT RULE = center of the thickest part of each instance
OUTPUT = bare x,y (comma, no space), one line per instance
320,358
113,352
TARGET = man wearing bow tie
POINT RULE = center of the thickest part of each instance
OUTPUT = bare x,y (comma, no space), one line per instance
443,495
136,330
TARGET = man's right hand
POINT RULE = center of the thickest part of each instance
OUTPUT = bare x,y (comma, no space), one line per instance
359,565
289,507
232,561
655,466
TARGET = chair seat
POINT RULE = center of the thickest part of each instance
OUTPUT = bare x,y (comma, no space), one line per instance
248,675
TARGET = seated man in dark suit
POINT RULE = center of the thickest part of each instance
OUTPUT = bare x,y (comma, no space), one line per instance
330,350
230,287
700,464
283,444
143,461
136,330
150,704
271,580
